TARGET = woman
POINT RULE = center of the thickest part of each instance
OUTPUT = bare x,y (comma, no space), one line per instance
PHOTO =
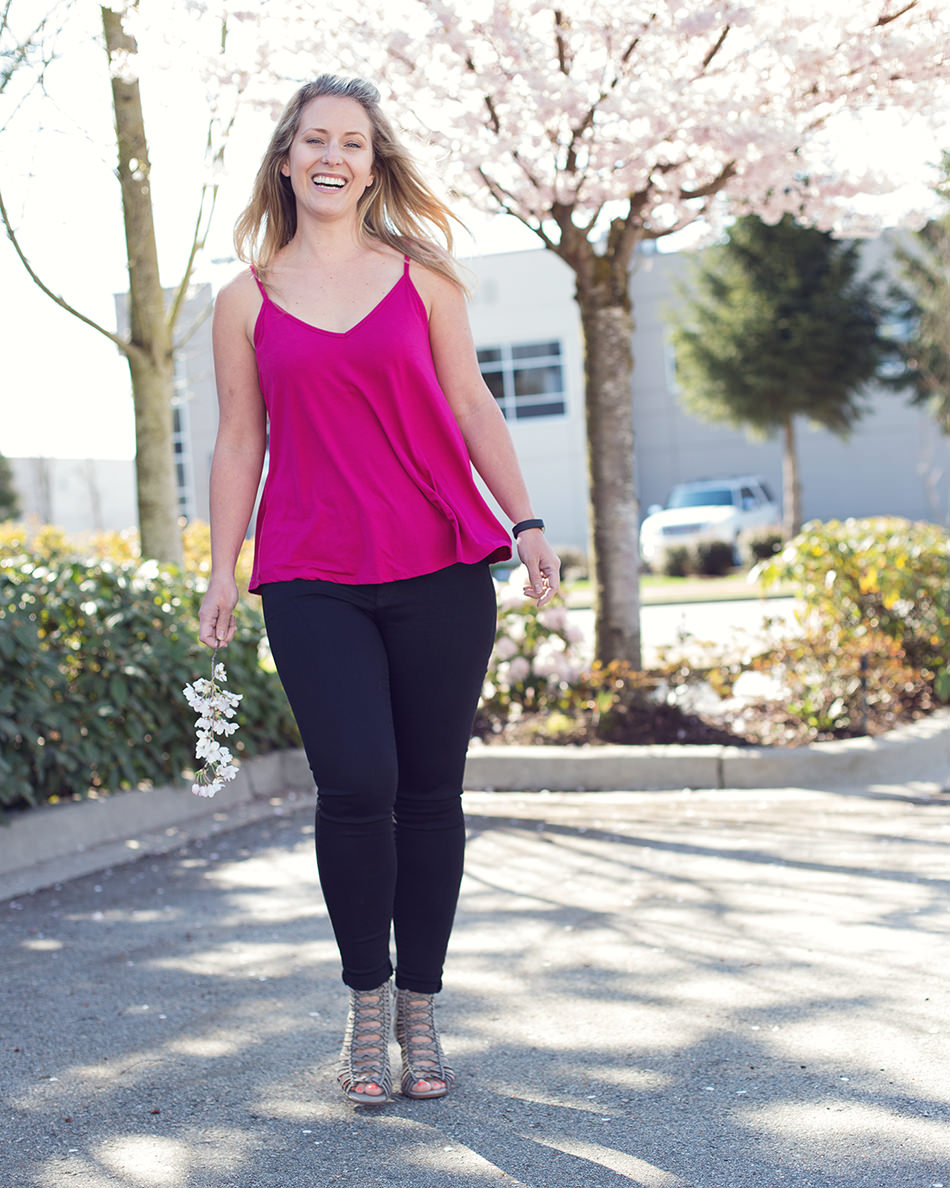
349,335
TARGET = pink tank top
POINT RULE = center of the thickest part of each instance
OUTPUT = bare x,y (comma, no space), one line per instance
369,478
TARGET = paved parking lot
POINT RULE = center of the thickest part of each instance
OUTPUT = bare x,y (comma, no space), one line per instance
744,625
671,990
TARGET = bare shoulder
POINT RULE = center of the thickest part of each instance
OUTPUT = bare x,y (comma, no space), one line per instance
239,288
238,304
438,292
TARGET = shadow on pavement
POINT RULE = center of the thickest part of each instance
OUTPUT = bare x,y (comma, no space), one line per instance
679,991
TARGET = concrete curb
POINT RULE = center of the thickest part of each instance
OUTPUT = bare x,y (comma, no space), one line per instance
54,843
919,751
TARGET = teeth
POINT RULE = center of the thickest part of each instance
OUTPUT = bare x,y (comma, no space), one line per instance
320,180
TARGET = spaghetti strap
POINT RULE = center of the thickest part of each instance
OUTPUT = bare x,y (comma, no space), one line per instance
405,267
259,283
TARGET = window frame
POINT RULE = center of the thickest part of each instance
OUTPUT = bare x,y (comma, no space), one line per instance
510,359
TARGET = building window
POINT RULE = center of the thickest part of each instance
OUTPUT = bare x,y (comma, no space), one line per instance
669,365
181,444
526,379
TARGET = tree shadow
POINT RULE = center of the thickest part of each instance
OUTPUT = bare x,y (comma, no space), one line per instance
627,1005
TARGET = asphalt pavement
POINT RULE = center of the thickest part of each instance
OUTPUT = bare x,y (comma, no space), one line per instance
712,989
736,626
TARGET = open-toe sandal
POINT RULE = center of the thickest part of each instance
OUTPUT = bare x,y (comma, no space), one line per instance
364,1060
422,1058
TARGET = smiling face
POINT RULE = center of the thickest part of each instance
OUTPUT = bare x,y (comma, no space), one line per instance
330,162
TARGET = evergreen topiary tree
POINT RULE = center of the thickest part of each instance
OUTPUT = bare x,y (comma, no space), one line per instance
9,500
924,301
777,324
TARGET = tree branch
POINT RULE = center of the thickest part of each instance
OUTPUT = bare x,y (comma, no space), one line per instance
522,165
509,206
194,327
563,53
202,229
198,239
18,56
727,172
587,121
895,16
209,195
127,348
716,48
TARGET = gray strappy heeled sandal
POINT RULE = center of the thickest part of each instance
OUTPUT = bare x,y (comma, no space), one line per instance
422,1055
364,1059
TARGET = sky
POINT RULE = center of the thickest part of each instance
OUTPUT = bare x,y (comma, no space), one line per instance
65,387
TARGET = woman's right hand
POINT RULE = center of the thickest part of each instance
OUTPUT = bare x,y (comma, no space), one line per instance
216,625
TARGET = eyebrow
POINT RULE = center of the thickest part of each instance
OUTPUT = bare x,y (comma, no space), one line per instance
325,132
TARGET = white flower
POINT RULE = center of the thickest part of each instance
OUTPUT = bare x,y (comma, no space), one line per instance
214,707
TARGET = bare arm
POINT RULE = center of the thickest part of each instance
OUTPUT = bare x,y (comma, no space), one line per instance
238,453
484,428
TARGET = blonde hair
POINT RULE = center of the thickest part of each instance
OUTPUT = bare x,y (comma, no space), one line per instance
398,209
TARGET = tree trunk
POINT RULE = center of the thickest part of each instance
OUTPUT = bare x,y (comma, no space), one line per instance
150,355
791,484
607,320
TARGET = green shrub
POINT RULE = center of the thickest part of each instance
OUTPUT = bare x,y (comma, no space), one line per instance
94,656
677,562
574,564
48,543
862,579
713,558
610,696
836,693
760,548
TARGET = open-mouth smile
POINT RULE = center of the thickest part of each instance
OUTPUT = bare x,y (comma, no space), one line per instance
328,181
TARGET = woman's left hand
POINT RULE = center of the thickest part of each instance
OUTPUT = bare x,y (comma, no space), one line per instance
542,564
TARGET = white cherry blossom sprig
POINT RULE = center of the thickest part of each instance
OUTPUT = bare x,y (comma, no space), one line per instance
215,707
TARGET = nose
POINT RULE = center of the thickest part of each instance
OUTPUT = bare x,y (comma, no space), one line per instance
331,154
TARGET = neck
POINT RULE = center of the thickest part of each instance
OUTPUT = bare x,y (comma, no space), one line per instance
325,241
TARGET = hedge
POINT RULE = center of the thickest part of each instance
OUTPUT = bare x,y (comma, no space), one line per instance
94,655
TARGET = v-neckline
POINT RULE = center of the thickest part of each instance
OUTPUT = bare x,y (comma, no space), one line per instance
336,333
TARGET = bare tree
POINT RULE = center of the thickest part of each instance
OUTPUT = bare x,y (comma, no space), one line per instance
149,345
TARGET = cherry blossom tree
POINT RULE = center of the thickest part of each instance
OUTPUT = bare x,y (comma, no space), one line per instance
599,125
603,125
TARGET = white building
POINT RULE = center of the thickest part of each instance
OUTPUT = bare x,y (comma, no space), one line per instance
96,495
895,462
528,334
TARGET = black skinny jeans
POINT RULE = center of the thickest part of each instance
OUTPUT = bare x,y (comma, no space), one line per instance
384,681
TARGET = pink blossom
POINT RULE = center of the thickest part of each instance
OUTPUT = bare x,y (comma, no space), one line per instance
505,648
519,669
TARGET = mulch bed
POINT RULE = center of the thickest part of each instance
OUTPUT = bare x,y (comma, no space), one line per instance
755,725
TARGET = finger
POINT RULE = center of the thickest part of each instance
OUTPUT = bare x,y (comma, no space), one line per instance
535,586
